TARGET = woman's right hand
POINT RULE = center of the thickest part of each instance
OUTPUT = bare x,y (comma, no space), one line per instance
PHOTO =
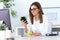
24,23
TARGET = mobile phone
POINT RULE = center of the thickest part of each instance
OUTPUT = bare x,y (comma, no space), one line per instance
24,19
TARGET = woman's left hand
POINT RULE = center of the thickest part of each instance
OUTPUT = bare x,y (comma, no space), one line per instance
36,34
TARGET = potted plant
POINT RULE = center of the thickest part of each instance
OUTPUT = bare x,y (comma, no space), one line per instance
2,26
2,31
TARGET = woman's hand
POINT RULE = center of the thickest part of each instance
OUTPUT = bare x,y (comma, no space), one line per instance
25,25
36,34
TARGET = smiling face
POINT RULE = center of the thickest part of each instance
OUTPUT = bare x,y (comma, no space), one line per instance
34,10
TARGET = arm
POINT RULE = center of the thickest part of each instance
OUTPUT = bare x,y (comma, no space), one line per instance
33,33
25,25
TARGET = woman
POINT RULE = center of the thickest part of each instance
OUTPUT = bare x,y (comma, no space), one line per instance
38,22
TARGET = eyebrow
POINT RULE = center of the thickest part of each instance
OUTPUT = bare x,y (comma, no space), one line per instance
34,8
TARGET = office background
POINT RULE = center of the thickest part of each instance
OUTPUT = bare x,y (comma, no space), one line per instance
50,7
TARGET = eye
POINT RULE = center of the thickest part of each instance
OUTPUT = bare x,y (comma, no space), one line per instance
33,9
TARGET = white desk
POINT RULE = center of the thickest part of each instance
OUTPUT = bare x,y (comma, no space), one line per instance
38,38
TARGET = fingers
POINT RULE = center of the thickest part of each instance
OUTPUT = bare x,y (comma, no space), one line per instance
25,21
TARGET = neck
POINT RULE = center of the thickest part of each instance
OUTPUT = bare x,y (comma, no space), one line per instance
36,17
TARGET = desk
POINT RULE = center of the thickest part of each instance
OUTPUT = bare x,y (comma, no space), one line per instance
38,38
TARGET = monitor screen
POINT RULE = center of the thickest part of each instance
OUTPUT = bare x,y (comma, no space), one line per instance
5,16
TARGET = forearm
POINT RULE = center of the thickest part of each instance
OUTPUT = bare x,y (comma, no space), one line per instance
25,25
26,28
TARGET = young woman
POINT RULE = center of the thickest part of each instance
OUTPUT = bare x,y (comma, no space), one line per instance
37,22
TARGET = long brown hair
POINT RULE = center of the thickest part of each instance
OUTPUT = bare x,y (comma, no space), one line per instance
40,12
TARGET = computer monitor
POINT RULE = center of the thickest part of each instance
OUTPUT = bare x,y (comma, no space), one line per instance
5,16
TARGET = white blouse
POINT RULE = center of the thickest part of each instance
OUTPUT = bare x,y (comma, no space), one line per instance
37,27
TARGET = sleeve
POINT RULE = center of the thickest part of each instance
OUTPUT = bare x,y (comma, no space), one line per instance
45,26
